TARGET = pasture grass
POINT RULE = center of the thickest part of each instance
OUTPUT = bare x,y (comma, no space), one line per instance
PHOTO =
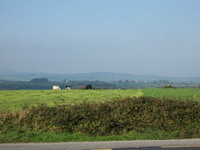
183,94
15,100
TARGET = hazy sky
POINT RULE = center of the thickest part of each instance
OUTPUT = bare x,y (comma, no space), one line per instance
160,37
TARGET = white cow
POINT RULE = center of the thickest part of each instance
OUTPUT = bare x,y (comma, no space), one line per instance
56,88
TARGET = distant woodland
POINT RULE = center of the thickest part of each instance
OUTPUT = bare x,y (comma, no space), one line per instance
45,84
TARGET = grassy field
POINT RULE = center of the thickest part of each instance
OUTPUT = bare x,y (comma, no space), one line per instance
14,100
183,94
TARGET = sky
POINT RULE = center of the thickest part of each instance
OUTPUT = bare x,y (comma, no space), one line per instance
158,37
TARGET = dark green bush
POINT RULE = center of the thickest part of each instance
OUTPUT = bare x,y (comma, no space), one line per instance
114,117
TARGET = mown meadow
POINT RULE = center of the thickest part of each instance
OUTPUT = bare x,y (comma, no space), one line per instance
93,115
15,100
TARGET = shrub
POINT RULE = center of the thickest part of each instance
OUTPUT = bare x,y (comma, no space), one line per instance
113,117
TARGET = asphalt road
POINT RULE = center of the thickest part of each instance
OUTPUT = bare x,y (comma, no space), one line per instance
188,144
159,148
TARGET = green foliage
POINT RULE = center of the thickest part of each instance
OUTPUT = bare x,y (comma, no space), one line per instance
39,80
199,86
117,117
38,136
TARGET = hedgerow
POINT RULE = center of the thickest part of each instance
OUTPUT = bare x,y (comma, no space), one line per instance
114,117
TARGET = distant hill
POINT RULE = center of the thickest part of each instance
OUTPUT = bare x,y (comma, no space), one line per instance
101,76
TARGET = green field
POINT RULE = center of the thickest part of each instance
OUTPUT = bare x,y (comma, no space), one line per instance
14,129
183,94
14,100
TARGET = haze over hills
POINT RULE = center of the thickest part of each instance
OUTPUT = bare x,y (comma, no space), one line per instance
101,76
120,37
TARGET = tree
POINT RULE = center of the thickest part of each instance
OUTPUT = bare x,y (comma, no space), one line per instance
39,80
126,81
120,81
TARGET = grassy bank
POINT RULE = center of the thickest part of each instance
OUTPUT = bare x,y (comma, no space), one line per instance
45,137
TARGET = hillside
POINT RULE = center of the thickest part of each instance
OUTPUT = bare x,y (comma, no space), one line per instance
101,76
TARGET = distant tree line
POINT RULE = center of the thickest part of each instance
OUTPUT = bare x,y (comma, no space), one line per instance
126,81
39,80
45,84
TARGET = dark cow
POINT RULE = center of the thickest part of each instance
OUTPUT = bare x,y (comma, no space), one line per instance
88,87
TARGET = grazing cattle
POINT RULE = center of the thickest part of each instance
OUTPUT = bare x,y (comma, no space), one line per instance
56,88
88,87
67,87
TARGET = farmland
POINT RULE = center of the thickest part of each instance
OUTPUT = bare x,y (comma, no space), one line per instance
115,115
18,99
15,100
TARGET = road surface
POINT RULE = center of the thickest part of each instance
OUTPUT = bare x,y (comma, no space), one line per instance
109,145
